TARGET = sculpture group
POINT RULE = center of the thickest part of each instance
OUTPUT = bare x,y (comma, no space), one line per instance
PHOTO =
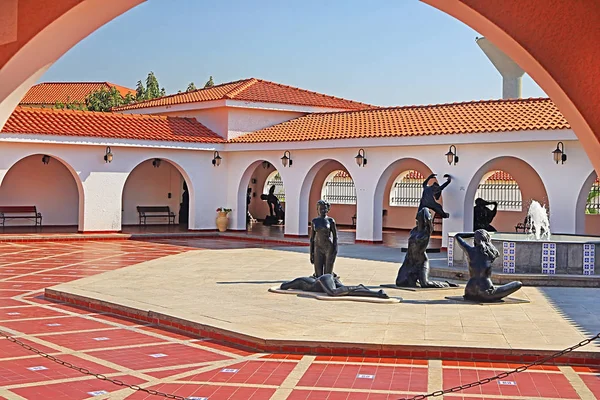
414,271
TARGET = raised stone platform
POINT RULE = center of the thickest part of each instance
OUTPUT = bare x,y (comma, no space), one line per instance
224,294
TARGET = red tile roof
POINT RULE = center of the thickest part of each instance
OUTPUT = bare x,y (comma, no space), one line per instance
500,176
252,90
50,121
51,92
442,119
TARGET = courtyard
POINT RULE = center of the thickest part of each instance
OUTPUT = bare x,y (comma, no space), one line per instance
198,367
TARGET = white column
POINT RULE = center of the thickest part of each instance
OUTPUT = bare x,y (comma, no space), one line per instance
100,209
365,214
562,199
454,204
296,212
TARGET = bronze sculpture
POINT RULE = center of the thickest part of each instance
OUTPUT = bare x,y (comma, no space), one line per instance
432,193
414,271
480,257
483,216
331,285
184,206
323,241
276,212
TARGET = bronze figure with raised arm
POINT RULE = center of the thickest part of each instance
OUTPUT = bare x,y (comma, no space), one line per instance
432,193
480,257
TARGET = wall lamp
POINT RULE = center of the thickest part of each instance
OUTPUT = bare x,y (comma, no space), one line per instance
216,161
286,159
108,157
46,159
360,158
559,153
266,164
156,162
451,155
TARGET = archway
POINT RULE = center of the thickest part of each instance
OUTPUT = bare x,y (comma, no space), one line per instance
514,183
341,193
49,184
256,181
588,207
158,182
402,211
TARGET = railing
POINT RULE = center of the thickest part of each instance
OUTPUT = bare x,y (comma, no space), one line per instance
507,194
340,190
279,190
407,193
592,205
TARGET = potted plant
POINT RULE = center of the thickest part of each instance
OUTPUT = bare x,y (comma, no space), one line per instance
222,219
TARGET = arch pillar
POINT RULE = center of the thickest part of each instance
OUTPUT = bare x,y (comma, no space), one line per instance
102,202
296,221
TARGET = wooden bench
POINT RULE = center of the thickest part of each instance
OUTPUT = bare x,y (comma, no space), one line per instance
524,226
146,212
20,212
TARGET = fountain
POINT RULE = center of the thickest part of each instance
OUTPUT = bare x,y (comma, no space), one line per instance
537,251
538,219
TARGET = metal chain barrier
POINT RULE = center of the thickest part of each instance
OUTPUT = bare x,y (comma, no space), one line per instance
504,374
437,393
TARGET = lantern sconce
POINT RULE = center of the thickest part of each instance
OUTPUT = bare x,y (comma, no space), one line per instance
559,153
108,157
451,155
266,164
156,162
286,159
360,158
45,159
216,161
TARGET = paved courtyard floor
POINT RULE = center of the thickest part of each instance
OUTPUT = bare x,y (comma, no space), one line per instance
155,358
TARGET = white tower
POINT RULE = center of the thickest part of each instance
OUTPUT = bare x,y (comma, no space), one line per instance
510,71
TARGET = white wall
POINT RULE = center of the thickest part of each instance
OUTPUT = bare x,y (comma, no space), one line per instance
51,188
245,120
149,186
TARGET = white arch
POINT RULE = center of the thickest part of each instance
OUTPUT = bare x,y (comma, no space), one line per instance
474,184
74,174
582,201
186,178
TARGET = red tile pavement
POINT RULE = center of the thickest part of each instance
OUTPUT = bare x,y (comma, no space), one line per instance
133,344
157,356
73,390
251,372
210,392
593,383
526,384
365,377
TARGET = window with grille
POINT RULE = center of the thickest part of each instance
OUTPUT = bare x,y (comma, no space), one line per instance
338,188
407,189
592,205
501,187
275,179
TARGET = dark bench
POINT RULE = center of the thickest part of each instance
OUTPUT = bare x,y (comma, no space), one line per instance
437,222
20,212
155,212
523,226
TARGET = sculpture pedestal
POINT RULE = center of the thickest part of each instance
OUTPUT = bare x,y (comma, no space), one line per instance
506,300
271,220
416,289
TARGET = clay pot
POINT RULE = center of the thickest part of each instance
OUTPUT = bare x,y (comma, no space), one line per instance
222,221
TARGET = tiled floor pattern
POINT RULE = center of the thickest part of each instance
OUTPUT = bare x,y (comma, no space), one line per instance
203,369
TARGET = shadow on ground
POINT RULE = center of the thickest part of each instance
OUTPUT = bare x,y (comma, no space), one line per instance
579,306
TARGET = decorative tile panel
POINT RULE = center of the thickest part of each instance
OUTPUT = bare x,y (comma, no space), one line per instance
589,258
549,258
450,251
508,257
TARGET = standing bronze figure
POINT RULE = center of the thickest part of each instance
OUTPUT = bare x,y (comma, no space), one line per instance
480,257
483,216
332,286
323,241
433,193
414,271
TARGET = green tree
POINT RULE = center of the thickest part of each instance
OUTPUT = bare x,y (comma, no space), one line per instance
152,87
209,83
105,99
191,87
140,91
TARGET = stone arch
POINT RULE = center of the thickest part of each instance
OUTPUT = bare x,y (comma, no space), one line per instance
244,183
383,187
522,172
129,213
308,182
5,179
581,219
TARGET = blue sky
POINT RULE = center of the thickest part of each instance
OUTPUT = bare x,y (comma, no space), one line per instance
383,52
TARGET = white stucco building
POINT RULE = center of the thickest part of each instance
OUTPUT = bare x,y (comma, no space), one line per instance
251,123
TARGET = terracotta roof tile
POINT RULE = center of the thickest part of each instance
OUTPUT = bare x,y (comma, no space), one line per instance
252,90
51,92
442,119
49,121
500,176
